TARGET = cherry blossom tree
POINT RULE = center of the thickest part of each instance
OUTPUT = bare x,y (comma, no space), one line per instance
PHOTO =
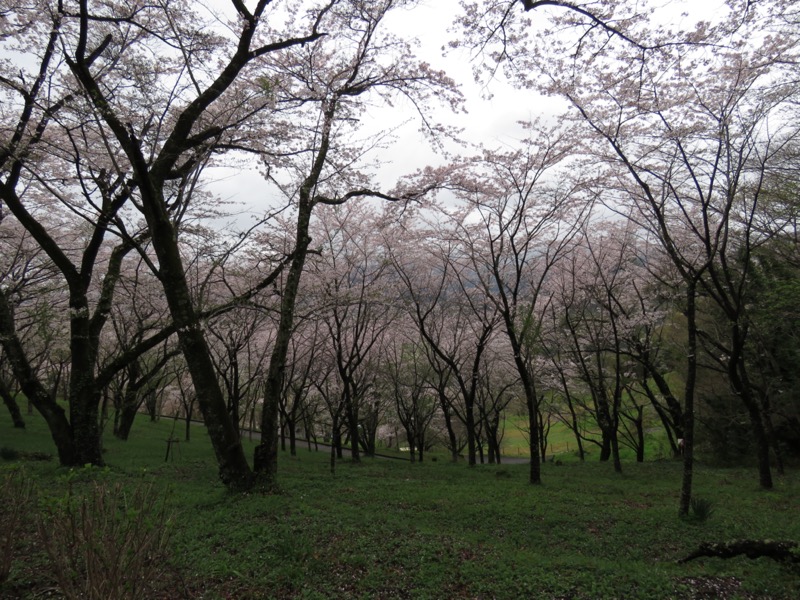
703,175
60,172
408,374
306,346
129,102
351,273
497,388
693,119
30,285
320,160
515,224
454,318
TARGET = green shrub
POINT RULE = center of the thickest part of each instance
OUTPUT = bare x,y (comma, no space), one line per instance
9,453
701,509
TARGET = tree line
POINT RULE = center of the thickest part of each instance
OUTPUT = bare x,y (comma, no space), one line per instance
630,264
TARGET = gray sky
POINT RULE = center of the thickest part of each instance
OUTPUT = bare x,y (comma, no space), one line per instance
494,108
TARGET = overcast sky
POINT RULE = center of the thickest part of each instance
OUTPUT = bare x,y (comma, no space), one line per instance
493,111
494,108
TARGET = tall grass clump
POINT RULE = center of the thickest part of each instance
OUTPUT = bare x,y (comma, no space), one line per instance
107,542
700,509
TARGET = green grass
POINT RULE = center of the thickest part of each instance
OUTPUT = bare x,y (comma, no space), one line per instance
561,440
390,529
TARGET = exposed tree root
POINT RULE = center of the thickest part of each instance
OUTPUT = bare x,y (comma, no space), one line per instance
783,551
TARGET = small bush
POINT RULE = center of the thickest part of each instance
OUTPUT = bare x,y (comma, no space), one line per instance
108,543
9,453
15,501
701,509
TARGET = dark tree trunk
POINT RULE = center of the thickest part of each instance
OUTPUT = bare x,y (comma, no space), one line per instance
782,551
266,453
448,423
762,445
152,407
469,423
129,404
638,425
187,428
544,430
420,446
308,424
575,426
615,451
605,447
370,424
532,405
411,445
490,450
13,407
737,372
292,437
84,395
352,425
53,414
688,402
675,420
234,471
673,432
127,415
766,411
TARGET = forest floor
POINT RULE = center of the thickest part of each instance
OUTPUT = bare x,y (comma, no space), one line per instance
380,529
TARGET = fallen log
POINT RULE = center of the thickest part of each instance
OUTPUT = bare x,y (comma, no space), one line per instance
783,551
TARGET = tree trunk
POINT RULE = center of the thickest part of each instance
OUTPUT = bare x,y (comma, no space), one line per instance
53,414
13,407
187,430
469,415
615,452
233,468
448,423
605,447
639,425
266,453
766,411
352,425
762,446
84,395
129,404
737,372
688,399
782,551
127,415
531,402
292,436
575,425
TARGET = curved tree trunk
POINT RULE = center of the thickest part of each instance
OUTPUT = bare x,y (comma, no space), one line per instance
53,414
13,407
234,471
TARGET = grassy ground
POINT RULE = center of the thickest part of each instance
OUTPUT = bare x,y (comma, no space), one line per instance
390,529
561,441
